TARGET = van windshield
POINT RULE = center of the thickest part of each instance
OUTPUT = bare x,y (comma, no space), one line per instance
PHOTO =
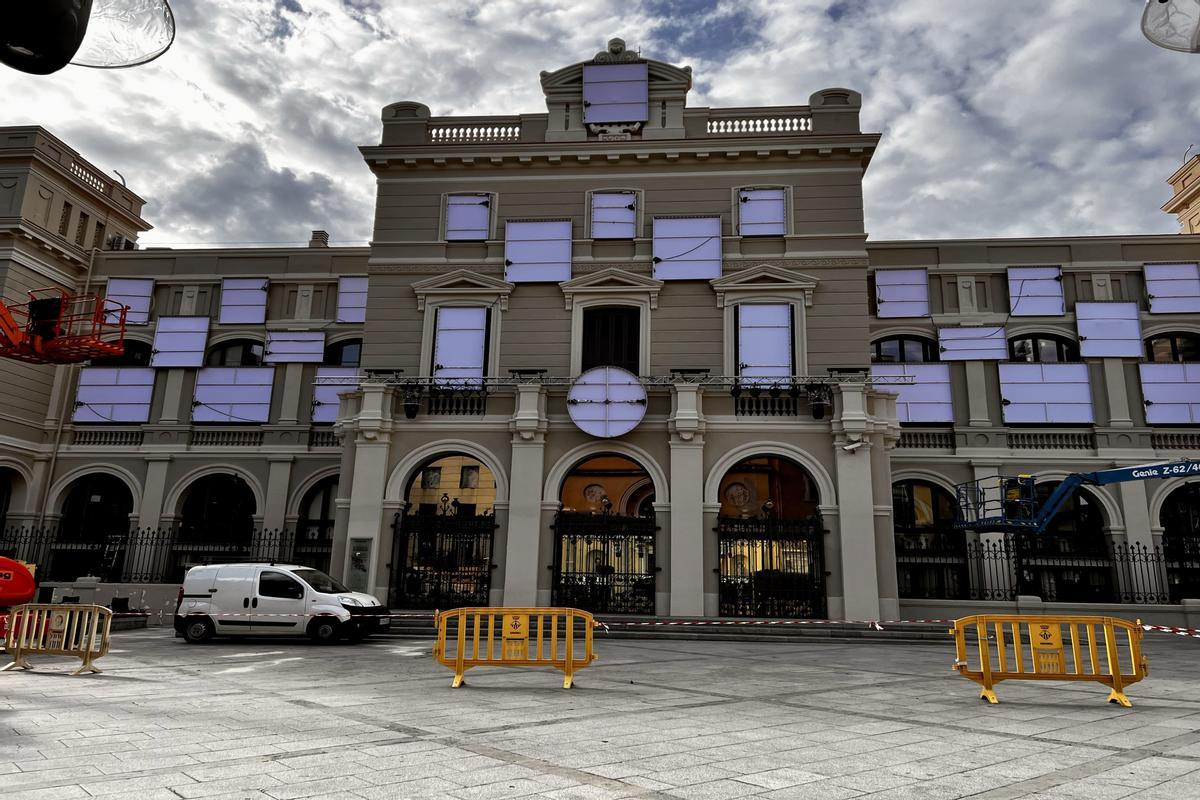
319,581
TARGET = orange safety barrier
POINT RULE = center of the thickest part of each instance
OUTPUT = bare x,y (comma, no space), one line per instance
1027,647
66,629
514,637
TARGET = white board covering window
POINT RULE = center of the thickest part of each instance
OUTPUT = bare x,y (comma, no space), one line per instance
243,300
468,217
1035,291
134,294
114,394
295,347
902,293
179,342
687,248
233,394
1046,393
922,390
352,299
537,251
1173,288
460,346
615,93
1109,330
614,215
331,381
765,353
1171,393
761,212
975,343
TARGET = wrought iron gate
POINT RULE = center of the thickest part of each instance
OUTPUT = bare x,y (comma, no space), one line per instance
604,563
771,567
441,560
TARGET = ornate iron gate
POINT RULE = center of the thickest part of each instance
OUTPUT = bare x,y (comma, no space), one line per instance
604,563
441,560
771,567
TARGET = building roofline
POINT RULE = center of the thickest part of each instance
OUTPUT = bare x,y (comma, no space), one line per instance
1178,174
1163,238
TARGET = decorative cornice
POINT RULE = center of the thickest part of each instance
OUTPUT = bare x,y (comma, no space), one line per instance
461,284
764,279
611,281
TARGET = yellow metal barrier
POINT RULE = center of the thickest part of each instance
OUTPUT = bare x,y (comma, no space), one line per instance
1003,654
58,630
514,637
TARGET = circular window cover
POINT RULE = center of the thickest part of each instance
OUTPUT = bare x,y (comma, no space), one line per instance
607,402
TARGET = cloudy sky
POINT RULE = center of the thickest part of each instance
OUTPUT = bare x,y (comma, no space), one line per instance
1012,118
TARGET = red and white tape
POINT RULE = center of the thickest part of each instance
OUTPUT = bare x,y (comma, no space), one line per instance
1191,632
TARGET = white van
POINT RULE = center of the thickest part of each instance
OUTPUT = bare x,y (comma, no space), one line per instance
273,600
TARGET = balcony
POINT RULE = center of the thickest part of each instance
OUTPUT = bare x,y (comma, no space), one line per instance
1182,440
926,440
206,437
1051,440
107,437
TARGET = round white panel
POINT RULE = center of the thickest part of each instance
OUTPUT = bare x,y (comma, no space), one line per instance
607,402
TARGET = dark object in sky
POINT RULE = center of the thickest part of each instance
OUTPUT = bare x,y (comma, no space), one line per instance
1173,24
43,36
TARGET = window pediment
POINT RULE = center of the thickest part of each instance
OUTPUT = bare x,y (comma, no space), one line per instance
764,279
463,284
611,283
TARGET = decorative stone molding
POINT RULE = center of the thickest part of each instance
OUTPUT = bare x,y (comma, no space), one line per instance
764,279
614,284
463,285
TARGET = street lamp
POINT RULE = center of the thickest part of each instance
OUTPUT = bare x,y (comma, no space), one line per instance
1173,24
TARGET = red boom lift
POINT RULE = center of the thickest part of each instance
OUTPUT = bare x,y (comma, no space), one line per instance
57,327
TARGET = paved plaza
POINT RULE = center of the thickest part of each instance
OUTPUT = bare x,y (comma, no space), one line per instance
654,719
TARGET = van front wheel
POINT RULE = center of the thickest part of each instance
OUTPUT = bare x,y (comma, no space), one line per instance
197,630
324,630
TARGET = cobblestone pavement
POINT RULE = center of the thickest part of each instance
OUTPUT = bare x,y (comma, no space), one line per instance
657,719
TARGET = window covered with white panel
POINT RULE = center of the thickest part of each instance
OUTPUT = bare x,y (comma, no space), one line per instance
179,342
973,343
1046,393
615,93
614,215
233,394
295,347
331,382
923,393
468,217
1035,292
352,299
134,294
460,346
1173,288
243,301
1109,330
687,248
1171,393
901,293
114,394
762,212
765,350
537,251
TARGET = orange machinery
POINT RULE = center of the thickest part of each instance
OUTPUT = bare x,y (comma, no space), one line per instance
57,327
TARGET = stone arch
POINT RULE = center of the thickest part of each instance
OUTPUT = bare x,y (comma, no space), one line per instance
403,472
576,455
174,502
21,498
1114,520
923,475
297,496
825,485
58,492
1158,498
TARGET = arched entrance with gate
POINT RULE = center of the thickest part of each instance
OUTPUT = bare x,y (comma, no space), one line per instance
1072,560
770,541
1180,520
92,529
216,525
604,537
443,539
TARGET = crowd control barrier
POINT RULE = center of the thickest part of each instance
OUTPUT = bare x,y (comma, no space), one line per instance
560,638
1034,648
58,630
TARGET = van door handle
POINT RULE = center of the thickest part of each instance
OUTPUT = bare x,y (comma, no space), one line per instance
245,602
254,603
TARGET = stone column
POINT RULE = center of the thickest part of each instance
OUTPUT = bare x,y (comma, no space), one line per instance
372,429
154,492
662,559
856,512
885,532
1118,393
523,557
293,382
835,593
687,503
341,518
977,394
172,397
279,478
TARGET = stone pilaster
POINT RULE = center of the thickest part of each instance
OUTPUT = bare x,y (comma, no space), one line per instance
523,551
686,425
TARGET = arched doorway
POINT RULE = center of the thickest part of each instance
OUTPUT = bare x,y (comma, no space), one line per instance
1071,561
216,524
7,479
1180,519
604,537
770,541
443,540
314,528
93,528
931,556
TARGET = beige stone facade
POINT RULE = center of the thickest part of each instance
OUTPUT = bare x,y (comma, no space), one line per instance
733,495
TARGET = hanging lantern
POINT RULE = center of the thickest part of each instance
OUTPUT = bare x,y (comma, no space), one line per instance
43,36
1173,24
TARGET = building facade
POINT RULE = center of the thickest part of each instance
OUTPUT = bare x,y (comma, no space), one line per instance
628,354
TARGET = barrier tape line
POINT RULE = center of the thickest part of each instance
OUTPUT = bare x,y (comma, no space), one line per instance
1191,632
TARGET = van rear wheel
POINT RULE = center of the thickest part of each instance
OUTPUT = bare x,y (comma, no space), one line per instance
324,630
198,630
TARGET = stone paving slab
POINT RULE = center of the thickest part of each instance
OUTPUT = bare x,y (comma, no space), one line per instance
286,720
